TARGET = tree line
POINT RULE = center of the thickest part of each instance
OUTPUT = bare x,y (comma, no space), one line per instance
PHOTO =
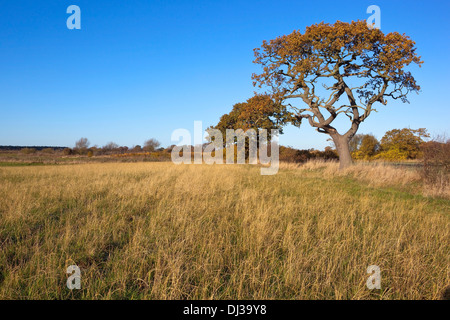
82,147
395,145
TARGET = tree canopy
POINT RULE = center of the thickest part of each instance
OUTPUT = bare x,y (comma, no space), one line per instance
258,112
83,143
332,61
401,144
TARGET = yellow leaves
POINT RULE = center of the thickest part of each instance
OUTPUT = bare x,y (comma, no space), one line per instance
405,143
394,154
290,59
258,112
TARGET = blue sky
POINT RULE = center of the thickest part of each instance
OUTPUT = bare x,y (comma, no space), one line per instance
141,69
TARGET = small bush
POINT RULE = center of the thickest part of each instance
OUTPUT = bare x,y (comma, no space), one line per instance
288,154
28,150
436,163
48,150
67,151
393,154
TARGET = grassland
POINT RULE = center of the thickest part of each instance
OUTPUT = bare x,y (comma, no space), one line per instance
160,231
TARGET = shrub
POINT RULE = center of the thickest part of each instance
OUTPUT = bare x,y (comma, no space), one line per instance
392,154
28,150
288,154
436,163
47,150
67,151
110,148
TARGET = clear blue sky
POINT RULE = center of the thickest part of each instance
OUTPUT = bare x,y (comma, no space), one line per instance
140,69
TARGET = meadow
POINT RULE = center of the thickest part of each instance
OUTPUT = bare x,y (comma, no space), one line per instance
160,231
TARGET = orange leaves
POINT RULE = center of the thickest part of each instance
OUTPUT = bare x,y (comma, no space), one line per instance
258,112
337,51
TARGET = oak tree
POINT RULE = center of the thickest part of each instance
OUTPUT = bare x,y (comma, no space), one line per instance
402,144
332,69
246,119
258,112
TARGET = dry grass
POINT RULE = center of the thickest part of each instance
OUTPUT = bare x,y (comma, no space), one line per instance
160,231
376,174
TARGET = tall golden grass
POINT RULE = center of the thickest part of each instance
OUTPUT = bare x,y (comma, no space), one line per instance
161,231
377,174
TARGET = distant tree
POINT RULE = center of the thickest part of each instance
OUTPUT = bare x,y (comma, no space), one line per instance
367,146
402,144
151,144
136,149
258,112
110,146
83,143
330,63
81,146
123,149
95,150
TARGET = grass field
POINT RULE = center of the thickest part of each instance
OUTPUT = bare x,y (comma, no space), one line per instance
160,231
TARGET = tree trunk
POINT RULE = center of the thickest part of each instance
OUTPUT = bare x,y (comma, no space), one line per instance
345,158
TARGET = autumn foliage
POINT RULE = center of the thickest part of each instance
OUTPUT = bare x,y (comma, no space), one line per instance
402,144
258,112
436,162
396,145
349,60
365,146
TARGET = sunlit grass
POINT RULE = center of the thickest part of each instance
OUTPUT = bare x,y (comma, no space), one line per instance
161,231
